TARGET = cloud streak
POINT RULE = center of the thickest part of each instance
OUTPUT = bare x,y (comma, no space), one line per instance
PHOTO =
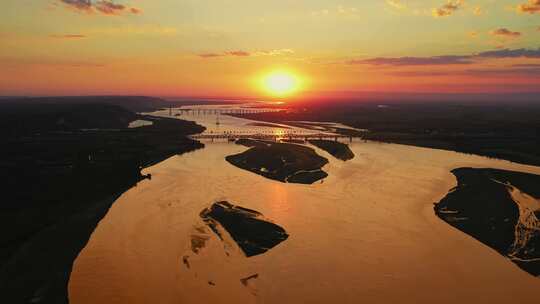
448,59
411,61
520,71
506,33
104,7
241,53
68,36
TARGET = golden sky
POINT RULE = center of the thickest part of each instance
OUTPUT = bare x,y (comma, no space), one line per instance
203,48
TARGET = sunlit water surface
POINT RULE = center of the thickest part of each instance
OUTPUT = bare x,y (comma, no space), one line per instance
367,234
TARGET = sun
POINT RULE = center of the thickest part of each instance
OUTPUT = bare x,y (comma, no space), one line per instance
280,83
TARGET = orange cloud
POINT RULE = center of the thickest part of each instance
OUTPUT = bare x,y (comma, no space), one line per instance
532,7
135,10
506,33
448,9
237,53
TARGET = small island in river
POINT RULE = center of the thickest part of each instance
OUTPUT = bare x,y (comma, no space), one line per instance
337,149
280,161
500,209
253,234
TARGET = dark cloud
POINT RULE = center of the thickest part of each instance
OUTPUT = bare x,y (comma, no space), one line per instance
448,59
84,5
448,9
531,7
504,32
421,73
105,7
498,72
408,61
109,8
508,53
210,55
528,71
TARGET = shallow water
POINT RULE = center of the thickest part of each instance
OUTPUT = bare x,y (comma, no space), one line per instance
368,233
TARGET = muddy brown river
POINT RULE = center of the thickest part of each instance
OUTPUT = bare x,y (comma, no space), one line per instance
366,234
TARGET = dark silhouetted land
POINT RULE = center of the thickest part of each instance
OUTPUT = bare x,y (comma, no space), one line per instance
508,130
253,234
337,149
280,161
63,164
500,209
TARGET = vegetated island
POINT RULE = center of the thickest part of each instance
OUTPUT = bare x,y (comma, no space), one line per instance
337,149
500,209
283,162
64,162
248,228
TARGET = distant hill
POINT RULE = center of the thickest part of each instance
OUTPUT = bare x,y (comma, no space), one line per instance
132,103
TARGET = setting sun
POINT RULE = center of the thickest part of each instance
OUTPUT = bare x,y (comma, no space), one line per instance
280,83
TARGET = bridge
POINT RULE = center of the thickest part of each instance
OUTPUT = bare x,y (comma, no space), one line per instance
218,111
269,135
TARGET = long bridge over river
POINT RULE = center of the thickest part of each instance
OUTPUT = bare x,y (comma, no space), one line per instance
270,135
218,111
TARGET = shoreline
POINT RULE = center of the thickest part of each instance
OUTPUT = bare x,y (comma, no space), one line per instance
56,200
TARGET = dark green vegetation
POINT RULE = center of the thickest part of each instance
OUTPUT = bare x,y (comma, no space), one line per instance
63,165
249,230
279,161
337,149
482,206
508,131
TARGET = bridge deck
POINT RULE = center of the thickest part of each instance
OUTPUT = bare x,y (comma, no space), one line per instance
306,136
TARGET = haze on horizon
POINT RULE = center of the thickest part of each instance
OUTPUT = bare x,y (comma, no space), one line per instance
209,48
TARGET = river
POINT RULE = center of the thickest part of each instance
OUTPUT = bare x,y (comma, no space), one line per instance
367,234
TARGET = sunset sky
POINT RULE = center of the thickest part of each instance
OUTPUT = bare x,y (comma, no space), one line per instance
202,48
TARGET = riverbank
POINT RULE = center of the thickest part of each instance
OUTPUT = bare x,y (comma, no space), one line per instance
63,166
